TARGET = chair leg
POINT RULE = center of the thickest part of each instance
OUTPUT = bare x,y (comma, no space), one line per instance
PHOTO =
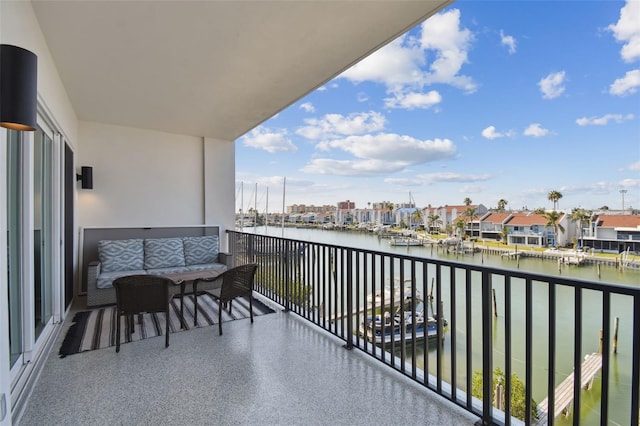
132,324
195,313
230,302
219,317
118,332
251,308
166,341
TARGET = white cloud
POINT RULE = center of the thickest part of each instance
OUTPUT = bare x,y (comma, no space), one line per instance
269,140
403,181
413,100
627,31
394,65
509,41
604,120
451,44
403,67
634,166
450,177
626,85
307,107
552,85
380,154
335,125
328,166
395,148
536,130
491,133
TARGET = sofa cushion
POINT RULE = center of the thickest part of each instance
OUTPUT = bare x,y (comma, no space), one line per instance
163,253
200,250
121,255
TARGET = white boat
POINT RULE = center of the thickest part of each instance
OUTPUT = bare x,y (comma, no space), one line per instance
400,296
404,241
404,324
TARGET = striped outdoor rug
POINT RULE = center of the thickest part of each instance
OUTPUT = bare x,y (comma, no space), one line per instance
96,328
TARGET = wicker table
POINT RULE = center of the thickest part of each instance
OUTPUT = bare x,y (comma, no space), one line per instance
182,278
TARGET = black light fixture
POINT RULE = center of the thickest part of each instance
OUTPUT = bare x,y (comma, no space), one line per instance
18,88
86,177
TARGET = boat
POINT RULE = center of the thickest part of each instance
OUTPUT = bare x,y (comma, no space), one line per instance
385,328
404,241
400,296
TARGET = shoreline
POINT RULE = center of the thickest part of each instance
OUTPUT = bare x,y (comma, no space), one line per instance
563,256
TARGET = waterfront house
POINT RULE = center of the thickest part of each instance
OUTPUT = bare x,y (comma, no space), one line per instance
449,214
613,233
530,229
492,224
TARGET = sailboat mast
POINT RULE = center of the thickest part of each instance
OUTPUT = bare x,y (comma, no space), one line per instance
284,191
266,212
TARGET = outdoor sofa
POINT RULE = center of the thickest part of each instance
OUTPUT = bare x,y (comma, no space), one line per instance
117,258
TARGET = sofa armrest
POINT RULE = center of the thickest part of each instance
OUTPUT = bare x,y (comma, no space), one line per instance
93,270
226,259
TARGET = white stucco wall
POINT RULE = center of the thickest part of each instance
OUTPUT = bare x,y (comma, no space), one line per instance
140,177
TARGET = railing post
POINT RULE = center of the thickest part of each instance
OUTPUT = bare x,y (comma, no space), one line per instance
287,276
635,373
487,351
349,284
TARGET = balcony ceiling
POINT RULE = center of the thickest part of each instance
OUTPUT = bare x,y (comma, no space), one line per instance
210,68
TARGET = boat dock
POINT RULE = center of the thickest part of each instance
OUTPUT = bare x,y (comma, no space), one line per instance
564,392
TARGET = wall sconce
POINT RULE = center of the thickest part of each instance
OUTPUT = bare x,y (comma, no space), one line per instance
18,88
86,177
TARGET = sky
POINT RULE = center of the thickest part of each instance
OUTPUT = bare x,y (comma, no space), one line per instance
485,100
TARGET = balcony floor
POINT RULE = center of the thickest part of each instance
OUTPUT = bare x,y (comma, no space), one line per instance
278,371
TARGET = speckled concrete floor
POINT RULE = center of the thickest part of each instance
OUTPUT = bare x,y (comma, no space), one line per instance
278,371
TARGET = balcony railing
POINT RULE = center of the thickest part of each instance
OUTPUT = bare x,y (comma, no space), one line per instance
495,332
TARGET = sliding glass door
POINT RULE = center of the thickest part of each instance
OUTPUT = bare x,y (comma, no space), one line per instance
42,223
13,245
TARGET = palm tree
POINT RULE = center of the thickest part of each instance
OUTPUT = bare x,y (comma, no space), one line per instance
434,220
554,196
459,226
552,218
502,203
470,214
504,233
416,217
581,216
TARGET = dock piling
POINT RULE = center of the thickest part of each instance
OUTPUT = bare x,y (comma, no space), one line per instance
495,306
615,335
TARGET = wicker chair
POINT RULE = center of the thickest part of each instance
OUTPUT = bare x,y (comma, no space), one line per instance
137,294
236,282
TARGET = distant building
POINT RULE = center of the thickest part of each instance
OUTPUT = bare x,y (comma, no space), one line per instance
346,205
447,216
613,233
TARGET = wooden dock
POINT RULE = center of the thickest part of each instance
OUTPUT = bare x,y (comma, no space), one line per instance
564,392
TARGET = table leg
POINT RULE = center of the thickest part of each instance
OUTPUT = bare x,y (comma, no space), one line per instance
182,285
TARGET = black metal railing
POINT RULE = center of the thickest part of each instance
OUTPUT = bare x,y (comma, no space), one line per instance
499,343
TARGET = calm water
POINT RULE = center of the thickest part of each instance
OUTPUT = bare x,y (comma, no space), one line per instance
620,375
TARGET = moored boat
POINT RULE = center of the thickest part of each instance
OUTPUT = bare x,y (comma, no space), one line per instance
404,241
385,328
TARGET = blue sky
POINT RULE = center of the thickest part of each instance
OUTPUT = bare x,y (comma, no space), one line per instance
487,99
